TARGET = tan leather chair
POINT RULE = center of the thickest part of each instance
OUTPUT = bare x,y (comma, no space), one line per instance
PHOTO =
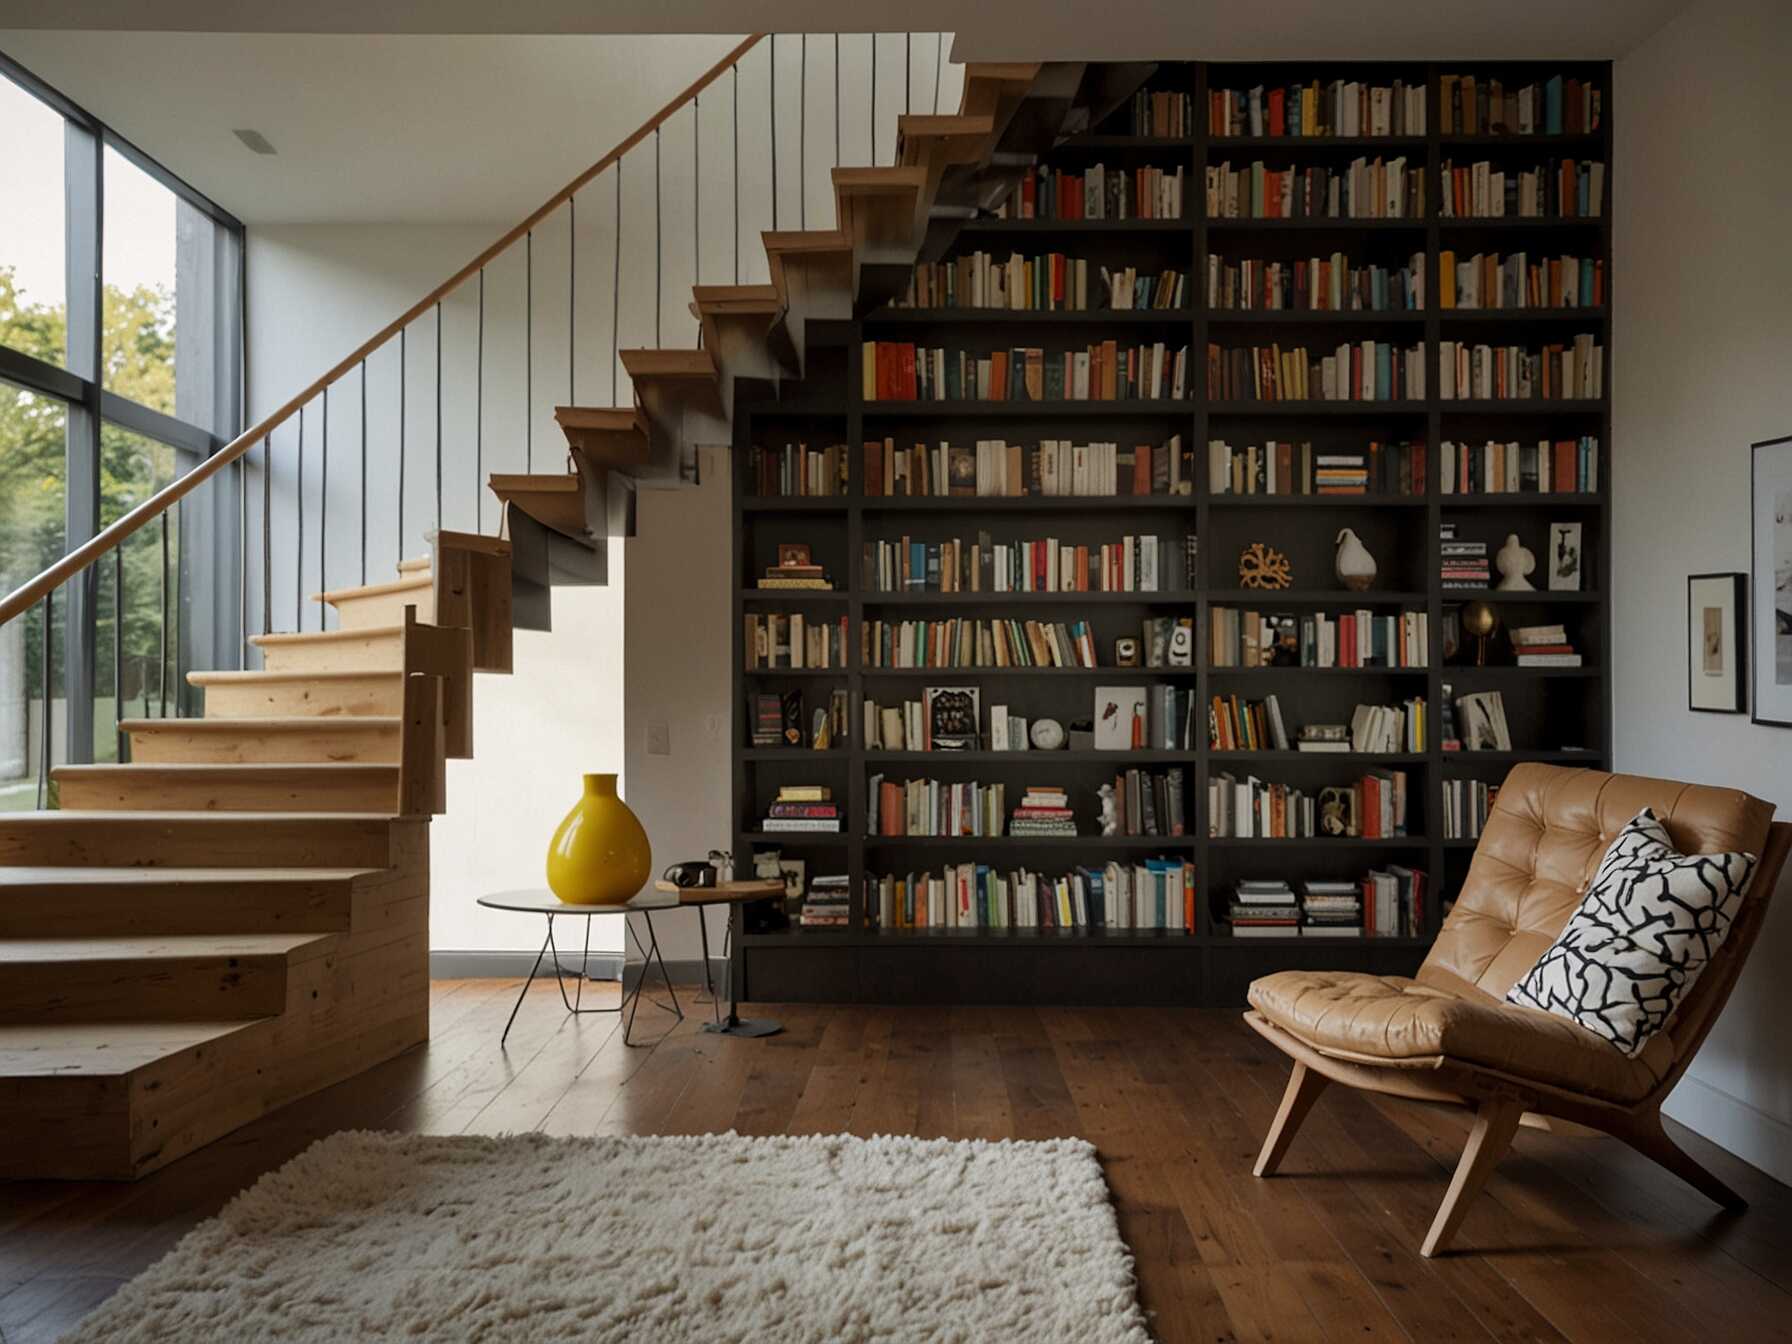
1448,1035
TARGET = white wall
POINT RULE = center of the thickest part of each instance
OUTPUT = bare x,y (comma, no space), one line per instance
1702,282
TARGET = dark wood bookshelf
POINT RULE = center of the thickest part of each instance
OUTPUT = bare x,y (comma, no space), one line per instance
1557,715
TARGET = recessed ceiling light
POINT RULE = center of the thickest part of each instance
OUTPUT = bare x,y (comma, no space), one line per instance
255,140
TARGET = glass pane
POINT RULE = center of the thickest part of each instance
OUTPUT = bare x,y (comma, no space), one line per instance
33,269
33,488
133,468
138,260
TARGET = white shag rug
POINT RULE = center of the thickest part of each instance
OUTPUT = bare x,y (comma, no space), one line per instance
715,1239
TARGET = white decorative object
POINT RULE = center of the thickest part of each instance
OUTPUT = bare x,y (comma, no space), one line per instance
1048,734
447,1239
1110,813
1354,565
1515,562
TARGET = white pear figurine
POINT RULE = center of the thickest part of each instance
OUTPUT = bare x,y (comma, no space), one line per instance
1354,565
1514,561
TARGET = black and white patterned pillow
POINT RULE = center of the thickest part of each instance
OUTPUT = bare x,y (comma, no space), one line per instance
1650,921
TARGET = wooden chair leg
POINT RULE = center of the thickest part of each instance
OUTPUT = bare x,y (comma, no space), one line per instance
1646,1135
1304,1087
1495,1121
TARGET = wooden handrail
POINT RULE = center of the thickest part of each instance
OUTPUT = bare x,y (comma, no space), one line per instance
22,598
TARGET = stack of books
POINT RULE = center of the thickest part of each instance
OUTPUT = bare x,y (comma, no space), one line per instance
803,807
1465,566
1043,810
1334,909
1264,908
825,905
1543,646
1323,737
803,576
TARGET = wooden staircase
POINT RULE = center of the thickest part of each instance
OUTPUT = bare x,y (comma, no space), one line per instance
239,915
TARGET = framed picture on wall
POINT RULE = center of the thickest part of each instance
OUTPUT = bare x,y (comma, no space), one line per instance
1716,636
1771,619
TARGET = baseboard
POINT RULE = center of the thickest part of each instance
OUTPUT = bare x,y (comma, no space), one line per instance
1760,1139
450,965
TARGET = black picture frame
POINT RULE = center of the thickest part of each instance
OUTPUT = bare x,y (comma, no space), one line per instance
1769,696
1737,700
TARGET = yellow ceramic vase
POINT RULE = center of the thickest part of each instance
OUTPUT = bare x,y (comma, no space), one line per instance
599,854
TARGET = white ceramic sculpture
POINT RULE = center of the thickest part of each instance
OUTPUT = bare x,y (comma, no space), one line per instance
1110,815
1514,562
1354,565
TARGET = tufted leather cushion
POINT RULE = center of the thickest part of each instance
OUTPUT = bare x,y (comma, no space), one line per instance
1376,1017
1548,831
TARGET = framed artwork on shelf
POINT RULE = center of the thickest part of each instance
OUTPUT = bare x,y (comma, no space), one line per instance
1716,637
1567,563
1770,493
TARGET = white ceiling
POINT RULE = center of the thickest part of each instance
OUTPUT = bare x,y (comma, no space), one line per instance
467,110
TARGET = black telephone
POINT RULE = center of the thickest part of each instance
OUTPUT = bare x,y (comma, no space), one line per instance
695,873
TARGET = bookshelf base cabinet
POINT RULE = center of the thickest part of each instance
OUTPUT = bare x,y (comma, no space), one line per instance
935,431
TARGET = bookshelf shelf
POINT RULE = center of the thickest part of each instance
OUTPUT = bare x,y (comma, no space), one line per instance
1543,705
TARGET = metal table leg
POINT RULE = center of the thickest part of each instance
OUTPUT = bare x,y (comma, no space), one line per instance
650,953
573,1005
734,1024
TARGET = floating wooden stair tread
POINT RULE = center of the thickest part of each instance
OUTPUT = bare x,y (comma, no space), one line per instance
556,501
415,565
293,723
37,901
358,786
670,364
102,1049
607,436
410,583
255,677
292,638
41,878
469,541
332,694
377,648
276,739
16,952
957,140
196,839
734,298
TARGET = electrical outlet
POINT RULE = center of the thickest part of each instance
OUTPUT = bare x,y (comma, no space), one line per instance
659,739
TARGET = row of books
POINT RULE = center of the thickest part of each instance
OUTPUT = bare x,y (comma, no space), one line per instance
930,807
1285,468
1149,894
1105,371
966,643
1488,280
1355,371
1559,189
1099,192
1468,371
777,639
1133,564
797,469
1360,638
1466,805
1155,112
778,719
1542,646
1555,106
802,809
1315,284
1565,466
1386,902
1361,189
1370,808
1147,803
1347,107
827,902
1054,468
1051,282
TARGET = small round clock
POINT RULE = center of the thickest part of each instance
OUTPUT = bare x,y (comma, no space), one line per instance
1047,734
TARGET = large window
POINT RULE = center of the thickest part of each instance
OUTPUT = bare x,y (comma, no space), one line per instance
120,368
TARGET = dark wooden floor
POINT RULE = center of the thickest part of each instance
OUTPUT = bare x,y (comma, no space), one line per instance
1574,1240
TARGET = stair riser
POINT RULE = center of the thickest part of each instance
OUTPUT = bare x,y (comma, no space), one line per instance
351,791
174,989
127,910
370,694
170,744
365,613
370,653
129,841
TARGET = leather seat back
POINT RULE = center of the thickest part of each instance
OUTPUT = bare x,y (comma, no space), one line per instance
1543,841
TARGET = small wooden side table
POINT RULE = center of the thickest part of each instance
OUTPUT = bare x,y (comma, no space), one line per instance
666,896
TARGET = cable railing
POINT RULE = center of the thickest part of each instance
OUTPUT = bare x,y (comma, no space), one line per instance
298,433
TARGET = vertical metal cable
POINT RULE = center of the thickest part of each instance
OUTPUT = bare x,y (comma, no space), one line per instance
162,665
908,58
939,49
659,239
836,100
363,471
802,135
404,364
616,290
528,350
118,749
49,729
438,415
298,564
479,417
735,73
267,536
771,46
242,557
871,128
323,510
696,190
